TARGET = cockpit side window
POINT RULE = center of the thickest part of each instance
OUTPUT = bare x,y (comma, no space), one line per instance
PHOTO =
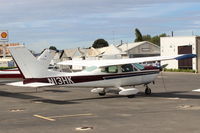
90,69
110,69
128,68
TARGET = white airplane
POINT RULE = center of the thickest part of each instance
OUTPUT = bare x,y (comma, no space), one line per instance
10,75
104,76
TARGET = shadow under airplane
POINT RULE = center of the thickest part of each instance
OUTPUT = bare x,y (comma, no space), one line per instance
174,94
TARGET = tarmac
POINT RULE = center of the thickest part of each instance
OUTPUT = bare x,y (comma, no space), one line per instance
173,107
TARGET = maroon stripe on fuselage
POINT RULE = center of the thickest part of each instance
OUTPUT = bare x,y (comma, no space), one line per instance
10,70
75,79
89,78
10,76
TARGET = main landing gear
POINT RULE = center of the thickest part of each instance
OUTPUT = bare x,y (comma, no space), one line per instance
147,90
131,96
102,93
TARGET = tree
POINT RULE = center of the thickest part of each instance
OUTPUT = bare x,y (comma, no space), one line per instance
155,39
138,36
99,43
53,48
146,37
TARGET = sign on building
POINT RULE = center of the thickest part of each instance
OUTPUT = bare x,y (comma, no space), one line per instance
3,36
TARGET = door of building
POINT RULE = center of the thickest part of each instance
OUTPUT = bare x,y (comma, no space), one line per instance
186,63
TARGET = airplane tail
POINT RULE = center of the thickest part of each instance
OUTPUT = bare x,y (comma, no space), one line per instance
29,66
46,57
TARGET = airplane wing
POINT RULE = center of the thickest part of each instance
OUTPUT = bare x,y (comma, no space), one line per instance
112,62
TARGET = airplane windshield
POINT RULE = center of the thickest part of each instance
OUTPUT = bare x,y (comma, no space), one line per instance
139,66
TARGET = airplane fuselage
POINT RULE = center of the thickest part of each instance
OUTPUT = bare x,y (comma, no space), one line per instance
10,75
81,79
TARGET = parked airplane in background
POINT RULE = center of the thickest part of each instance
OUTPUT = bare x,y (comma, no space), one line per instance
114,75
10,75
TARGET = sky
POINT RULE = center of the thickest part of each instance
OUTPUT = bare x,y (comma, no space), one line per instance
67,24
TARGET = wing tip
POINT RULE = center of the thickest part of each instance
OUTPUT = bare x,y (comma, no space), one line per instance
186,56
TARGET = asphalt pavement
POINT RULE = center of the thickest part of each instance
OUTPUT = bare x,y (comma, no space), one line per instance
173,107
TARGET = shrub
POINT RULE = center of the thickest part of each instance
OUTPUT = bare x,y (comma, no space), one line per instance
179,70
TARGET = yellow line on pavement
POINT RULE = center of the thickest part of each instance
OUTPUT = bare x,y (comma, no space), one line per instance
75,115
43,117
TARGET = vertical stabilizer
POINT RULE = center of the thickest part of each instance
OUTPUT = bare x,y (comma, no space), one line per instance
27,63
46,57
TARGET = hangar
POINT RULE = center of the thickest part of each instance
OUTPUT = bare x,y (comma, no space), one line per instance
140,49
171,46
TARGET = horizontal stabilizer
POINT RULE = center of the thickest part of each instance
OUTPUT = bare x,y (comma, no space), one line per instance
36,84
197,90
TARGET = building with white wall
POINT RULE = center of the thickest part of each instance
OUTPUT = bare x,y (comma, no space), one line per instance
5,56
171,46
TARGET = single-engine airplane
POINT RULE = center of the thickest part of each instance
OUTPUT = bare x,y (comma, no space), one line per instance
11,75
104,76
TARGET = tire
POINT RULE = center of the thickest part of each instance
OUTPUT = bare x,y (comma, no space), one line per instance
131,96
148,91
102,94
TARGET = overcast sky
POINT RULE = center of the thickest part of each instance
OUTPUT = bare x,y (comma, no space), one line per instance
78,23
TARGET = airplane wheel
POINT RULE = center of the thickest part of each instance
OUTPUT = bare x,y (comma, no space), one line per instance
148,91
102,94
131,96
